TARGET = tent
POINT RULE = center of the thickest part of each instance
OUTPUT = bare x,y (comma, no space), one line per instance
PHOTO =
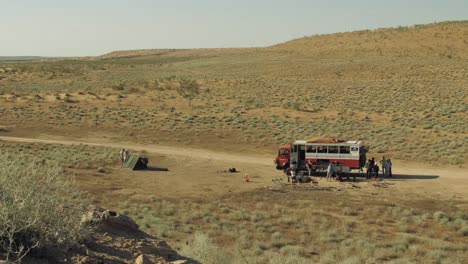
135,162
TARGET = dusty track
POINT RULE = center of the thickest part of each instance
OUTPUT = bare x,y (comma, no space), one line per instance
166,150
191,172
195,172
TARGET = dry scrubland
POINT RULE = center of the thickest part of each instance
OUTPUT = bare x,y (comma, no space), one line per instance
402,91
327,226
41,207
350,223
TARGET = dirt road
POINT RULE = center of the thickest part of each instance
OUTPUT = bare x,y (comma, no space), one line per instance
167,150
196,172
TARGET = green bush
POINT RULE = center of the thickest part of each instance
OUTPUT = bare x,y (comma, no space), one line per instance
39,206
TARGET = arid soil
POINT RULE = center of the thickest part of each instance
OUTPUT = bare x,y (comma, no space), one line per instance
199,172
401,91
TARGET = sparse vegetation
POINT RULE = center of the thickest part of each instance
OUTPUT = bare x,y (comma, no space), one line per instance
40,206
188,89
400,90
75,156
264,227
396,102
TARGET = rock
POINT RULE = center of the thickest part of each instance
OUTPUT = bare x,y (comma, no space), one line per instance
82,260
90,253
150,249
99,216
155,249
142,259
183,261
93,217
119,221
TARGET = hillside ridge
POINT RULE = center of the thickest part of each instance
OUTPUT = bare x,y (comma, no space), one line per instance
410,37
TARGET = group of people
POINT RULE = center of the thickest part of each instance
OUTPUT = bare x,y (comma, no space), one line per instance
373,169
332,170
124,154
294,175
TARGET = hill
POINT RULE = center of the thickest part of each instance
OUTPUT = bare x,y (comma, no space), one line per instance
437,39
447,39
400,90
19,58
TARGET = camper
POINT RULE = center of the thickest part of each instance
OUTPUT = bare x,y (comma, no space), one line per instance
319,152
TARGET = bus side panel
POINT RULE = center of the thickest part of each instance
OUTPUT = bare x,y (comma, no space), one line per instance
354,164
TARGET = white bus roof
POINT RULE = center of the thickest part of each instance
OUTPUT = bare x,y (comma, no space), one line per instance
349,142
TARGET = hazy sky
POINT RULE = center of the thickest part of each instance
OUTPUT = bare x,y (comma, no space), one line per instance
85,27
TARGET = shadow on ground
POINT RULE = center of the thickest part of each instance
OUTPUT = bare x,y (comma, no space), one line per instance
362,177
402,177
152,168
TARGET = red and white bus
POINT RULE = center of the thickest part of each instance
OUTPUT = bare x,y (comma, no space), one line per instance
348,155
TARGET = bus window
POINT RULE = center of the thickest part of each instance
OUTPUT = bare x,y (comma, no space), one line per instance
332,149
354,149
344,149
322,149
283,152
302,147
311,149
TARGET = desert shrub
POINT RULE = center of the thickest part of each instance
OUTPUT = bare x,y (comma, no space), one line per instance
204,250
440,217
296,251
463,231
349,211
40,206
277,240
119,87
281,259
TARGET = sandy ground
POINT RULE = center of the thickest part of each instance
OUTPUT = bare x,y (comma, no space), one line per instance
188,173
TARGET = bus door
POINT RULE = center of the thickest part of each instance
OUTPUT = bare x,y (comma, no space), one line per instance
295,154
302,156
362,157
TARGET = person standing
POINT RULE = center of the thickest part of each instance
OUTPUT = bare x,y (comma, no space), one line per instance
330,171
293,171
376,172
389,168
309,167
368,169
383,162
121,155
125,155
371,167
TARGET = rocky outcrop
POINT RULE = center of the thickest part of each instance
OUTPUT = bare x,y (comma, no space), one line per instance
117,239
103,218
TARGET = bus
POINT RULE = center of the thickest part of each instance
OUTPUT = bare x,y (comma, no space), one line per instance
347,155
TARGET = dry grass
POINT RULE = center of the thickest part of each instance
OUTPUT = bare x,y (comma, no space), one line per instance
41,208
75,156
301,226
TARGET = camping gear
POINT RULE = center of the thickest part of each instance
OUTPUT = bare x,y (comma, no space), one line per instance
135,162
325,140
